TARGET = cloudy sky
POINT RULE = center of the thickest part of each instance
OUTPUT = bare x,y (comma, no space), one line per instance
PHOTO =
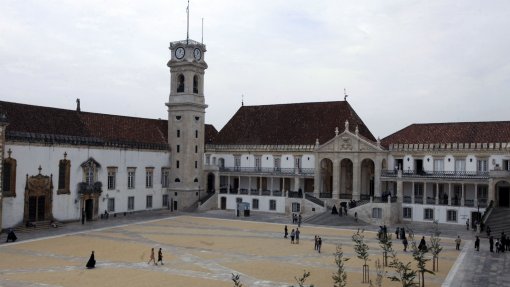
402,62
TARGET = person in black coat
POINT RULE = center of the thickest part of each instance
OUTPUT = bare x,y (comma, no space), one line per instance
477,243
92,261
11,236
491,243
423,245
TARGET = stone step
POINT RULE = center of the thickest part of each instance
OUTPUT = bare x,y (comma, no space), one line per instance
39,225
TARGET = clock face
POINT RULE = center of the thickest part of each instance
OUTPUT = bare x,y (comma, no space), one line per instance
197,54
179,53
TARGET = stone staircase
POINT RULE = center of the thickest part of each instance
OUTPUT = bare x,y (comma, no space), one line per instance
326,218
499,221
39,225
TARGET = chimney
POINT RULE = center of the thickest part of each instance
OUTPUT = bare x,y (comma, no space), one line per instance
78,105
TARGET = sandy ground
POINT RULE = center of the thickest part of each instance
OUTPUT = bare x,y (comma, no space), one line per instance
197,252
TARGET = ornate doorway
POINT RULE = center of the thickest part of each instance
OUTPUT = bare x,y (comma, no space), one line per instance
38,198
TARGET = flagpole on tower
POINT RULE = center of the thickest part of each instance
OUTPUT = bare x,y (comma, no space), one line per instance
187,24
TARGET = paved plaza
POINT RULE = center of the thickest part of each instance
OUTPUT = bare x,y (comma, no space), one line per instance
204,249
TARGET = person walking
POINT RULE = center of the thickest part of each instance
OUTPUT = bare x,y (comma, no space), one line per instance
160,257
356,216
152,259
404,241
491,243
319,244
297,235
488,229
457,243
316,242
299,221
397,232
292,235
467,224
477,243
92,261
423,245
285,232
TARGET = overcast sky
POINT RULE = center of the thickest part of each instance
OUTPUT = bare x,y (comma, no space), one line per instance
402,62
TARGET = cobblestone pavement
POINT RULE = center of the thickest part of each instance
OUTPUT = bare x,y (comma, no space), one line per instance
471,269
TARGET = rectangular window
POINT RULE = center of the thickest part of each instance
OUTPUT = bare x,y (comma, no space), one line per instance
111,204
506,164
149,173
148,203
131,203
418,189
237,161
255,203
460,165
438,164
377,212
89,175
178,133
277,163
178,148
177,164
196,149
272,204
482,165
297,162
208,159
62,175
165,177
165,200
296,207
428,214
239,200
196,134
131,178
451,215
196,164
112,176
258,162
482,192
407,212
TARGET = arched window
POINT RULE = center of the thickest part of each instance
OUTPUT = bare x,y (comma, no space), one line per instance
64,175
180,84
195,84
177,180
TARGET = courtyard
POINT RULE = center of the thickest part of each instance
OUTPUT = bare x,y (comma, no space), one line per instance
197,251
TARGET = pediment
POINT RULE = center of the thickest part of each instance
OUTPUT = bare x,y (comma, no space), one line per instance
348,142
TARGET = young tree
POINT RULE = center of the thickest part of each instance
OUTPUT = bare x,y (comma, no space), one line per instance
404,273
340,277
386,245
421,260
435,246
301,280
379,270
361,249
237,280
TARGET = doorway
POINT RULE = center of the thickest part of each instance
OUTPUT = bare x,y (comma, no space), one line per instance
418,166
38,192
175,204
36,208
223,203
504,196
210,183
89,209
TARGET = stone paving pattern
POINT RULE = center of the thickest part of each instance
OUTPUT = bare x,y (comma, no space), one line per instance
208,251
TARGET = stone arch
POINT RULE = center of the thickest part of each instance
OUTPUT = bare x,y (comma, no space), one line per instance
180,83
367,178
326,187
503,193
346,176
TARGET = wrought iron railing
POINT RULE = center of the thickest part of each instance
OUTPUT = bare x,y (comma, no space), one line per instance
313,199
86,188
407,199
269,170
325,195
437,174
345,195
469,202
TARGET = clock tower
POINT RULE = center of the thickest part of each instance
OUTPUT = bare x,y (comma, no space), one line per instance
186,112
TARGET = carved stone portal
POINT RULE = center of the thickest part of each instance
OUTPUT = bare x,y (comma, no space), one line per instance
38,198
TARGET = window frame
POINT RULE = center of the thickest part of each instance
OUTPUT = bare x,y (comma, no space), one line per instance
407,212
427,213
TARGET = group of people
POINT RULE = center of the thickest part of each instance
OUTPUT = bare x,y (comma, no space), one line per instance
342,209
318,243
153,259
400,233
502,244
294,236
11,236
296,219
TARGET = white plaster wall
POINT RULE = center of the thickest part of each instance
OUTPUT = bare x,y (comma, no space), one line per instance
408,163
428,163
440,213
267,161
29,157
287,161
308,161
263,202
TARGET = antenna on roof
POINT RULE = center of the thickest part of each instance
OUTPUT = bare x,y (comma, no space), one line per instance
242,100
345,95
187,24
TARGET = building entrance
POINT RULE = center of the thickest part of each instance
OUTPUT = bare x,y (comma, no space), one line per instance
39,193
504,196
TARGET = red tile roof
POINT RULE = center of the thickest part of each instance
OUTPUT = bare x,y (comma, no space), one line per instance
290,124
52,125
466,132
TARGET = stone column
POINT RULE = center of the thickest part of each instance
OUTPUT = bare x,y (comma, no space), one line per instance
437,193
424,192
463,195
492,192
377,177
449,193
260,183
228,183
356,173
217,182
239,187
400,191
296,183
412,194
336,179
476,195
317,184
249,184
272,182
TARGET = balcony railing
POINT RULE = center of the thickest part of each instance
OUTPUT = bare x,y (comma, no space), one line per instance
86,188
269,170
325,195
437,174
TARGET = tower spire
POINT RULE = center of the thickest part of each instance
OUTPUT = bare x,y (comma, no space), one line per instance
187,24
